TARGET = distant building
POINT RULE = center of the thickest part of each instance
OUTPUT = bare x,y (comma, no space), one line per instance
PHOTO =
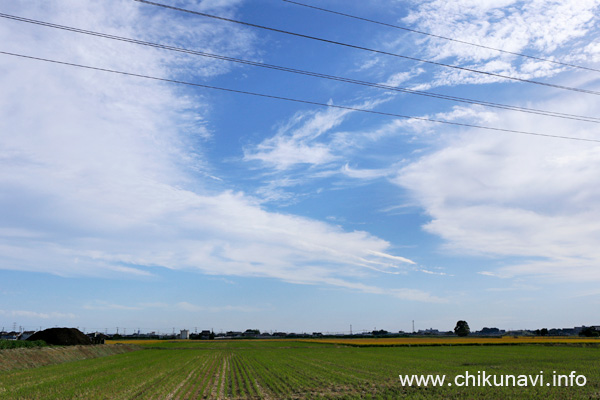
381,332
490,331
97,337
9,335
578,329
429,331
25,335
205,334
251,333
184,334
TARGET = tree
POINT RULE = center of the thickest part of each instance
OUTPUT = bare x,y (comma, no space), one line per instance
589,332
490,331
462,328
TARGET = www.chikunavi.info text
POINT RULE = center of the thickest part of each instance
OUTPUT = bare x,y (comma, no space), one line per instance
483,379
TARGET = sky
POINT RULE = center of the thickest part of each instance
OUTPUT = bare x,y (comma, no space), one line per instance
142,204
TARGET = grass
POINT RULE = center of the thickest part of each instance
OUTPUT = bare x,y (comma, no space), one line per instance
17,344
26,358
262,369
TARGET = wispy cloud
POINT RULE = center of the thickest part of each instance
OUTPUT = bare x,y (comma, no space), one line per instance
100,173
505,24
298,142
365,173
400,293
546,29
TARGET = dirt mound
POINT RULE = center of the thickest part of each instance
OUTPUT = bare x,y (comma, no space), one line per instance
61,336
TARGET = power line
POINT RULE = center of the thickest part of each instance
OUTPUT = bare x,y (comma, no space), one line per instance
442,37
307,73
372,50
298,100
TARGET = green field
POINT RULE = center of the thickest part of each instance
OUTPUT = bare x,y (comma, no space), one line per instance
17,344
302,370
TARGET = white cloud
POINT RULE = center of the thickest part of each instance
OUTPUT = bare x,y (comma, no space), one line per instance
400,293
545,28
283,153
365,173
297,142
504,24
307,138
401,77
505,195
96,170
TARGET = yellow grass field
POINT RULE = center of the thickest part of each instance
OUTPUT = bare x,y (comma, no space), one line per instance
404,341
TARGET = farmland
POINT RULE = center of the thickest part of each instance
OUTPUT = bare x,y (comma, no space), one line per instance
302,370
460,341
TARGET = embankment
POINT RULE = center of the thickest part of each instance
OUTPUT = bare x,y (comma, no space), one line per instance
23,358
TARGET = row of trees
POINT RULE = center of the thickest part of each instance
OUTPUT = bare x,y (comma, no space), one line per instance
462,329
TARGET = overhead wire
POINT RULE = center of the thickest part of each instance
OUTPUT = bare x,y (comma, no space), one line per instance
370,49
304,72
564,64
289,99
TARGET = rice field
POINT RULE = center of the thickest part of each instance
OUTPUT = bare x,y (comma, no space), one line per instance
293,369
446,341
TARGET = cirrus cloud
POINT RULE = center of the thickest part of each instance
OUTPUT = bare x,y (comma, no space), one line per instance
100,173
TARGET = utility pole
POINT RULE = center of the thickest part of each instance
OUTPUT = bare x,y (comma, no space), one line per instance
413,326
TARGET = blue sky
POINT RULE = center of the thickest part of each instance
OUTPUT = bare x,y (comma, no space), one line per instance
134,203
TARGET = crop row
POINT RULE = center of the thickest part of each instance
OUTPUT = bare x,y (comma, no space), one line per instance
255,370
